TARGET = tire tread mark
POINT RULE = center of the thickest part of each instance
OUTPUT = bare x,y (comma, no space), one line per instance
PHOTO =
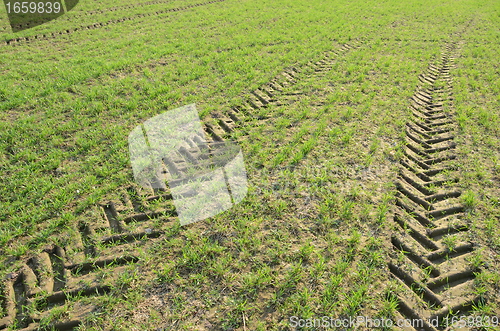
117,216
53,35
422,212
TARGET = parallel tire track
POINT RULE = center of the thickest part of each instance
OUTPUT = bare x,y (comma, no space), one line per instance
430,241
52,277
47,280
134,205
100,11
21,40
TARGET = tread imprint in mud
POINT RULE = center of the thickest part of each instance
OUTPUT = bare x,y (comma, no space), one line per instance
95,12
21,40
432,250
106,235
47,280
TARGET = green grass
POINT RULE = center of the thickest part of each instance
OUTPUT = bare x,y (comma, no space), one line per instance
312,236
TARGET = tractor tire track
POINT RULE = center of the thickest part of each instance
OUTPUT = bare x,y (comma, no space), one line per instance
48,280
53,35
118,8
430,241
51,277
253,107
131,217
219,127
97,12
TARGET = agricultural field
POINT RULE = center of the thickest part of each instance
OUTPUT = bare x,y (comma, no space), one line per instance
371,138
